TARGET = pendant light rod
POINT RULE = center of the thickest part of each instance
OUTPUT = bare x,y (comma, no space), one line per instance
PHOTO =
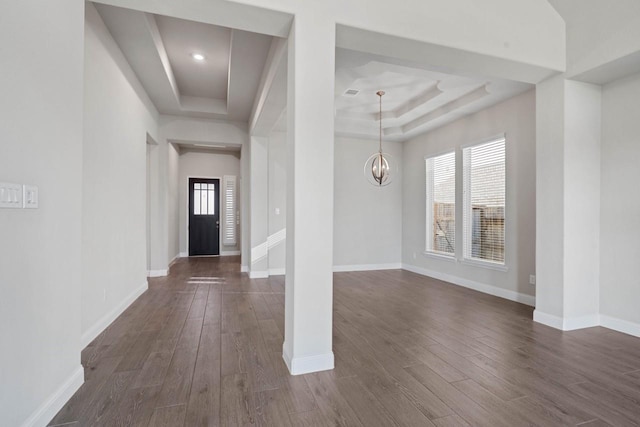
380,93
378,168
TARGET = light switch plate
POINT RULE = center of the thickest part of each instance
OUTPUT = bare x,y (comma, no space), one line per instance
10,195
30,197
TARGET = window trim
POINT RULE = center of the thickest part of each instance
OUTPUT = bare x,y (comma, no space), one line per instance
428,210
479,262
440,255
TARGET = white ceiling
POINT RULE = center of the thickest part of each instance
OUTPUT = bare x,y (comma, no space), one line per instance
183,38
159,50
418,98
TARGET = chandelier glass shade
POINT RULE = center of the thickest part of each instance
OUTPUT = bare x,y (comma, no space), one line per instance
379,168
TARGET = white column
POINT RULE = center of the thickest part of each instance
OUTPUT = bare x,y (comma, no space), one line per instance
583,107
567,203
259,208
309,277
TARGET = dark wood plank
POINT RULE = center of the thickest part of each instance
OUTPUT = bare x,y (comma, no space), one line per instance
203,346
271,409
168,416
177,382
203,408
237,402
135,410
330,401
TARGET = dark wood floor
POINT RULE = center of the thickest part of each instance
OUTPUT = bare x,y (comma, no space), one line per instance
203,347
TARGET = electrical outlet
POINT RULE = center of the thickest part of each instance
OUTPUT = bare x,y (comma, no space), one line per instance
104,295
414,255
532,279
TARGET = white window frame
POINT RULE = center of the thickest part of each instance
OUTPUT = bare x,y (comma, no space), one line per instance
429,189
466,205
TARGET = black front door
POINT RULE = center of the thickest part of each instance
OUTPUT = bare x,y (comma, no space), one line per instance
204,216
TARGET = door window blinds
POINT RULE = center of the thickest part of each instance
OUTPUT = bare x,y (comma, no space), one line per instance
229,232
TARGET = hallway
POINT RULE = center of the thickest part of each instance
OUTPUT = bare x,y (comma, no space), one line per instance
204,347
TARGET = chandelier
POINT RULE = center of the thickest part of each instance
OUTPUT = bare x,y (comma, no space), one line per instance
378,168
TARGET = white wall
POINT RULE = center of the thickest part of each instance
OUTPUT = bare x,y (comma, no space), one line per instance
193,130
245,204
41,128
516,118
367,219
620,209
259,212
205,163
173,202
277,200
118,116
170,210
581,196
550,116
599,32
509,30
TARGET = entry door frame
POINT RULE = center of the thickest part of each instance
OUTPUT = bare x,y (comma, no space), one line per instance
186,210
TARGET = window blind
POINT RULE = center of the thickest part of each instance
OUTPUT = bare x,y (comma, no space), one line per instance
441,203
484,201
229,236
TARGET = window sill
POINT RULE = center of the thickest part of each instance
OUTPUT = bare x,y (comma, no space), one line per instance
437,255
485,264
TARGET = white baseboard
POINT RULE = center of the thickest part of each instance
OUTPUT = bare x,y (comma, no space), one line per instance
309,364
566,323
157,273
277,272
244,268
548,319
573,323
175,258
477,286
222,253
366,267
620,325
106,320
229,253
258,274
55,402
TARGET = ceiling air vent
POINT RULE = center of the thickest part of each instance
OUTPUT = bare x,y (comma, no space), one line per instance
351,92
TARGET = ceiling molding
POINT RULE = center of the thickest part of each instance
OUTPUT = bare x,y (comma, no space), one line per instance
450,59
271,99
159,48
418,98
216,12
152,26
449,107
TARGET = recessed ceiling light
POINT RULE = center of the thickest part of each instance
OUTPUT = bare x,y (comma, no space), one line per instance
197,56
